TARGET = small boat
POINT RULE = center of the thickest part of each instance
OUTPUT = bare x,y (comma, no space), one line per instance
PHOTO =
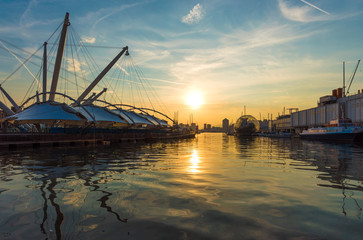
341,130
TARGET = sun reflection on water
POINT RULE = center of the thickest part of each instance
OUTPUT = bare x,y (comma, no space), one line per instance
194,162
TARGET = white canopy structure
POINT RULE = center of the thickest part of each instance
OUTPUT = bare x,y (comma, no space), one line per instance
48,113
133,118
101,115
156,121
79,110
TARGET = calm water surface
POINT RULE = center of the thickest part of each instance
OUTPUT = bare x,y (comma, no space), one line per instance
212,187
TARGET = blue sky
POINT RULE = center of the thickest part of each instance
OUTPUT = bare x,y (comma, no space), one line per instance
265,54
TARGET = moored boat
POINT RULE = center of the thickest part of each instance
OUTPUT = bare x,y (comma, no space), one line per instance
341,130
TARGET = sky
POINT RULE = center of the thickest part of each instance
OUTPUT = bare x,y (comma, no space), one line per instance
266,55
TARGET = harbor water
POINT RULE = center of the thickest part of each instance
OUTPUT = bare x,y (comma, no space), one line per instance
212,187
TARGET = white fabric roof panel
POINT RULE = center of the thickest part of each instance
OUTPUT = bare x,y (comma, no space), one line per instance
163,123
47,111
154,120
134,118
99,114
123,115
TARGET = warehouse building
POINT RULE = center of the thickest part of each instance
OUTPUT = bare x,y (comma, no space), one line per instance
330,107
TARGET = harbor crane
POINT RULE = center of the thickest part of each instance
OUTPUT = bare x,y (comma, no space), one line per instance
352,77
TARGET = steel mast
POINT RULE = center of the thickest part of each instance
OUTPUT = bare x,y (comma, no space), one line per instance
102,74
10,99
45,72
351,80
58,61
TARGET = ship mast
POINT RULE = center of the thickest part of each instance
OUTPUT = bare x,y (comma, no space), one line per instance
58,61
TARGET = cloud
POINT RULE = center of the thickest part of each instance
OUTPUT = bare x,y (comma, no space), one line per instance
195,15
245,50
74,65
27,21
121,68
88,39
25,17
105,13
302,13
149,55
162,80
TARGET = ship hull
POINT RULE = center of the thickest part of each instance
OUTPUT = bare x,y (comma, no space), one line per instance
336,137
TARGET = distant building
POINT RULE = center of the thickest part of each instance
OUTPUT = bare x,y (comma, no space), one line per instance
205,126
194,127
225,125
265,125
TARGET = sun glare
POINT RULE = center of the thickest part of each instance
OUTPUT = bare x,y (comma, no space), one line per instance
194,99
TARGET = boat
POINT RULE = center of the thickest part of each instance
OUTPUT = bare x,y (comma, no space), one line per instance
340,130
276,134
246,125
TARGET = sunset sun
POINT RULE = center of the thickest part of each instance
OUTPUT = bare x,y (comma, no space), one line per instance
194,99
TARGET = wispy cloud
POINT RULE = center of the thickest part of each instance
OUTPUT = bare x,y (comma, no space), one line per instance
243,60
24,19
312,5
27,21
195,15
121,68
74,65
162,80
302,13
88,39
149,55
104,13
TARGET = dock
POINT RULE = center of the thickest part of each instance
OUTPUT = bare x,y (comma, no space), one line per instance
32,140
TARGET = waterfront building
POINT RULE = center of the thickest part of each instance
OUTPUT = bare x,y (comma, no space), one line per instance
330,107
225,125
194,127
265,125
282,123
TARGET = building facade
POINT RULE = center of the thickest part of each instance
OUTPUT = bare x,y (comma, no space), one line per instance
225,125
330,108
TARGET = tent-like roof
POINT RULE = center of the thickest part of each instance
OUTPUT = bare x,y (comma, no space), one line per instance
102,115
156,121
48,112
132,117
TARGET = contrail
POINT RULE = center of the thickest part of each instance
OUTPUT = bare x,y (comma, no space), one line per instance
315,7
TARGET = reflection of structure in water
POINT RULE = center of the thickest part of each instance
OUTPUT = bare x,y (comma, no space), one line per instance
55,176
246,125
339,169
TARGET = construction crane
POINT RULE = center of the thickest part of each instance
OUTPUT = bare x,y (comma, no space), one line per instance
351,80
